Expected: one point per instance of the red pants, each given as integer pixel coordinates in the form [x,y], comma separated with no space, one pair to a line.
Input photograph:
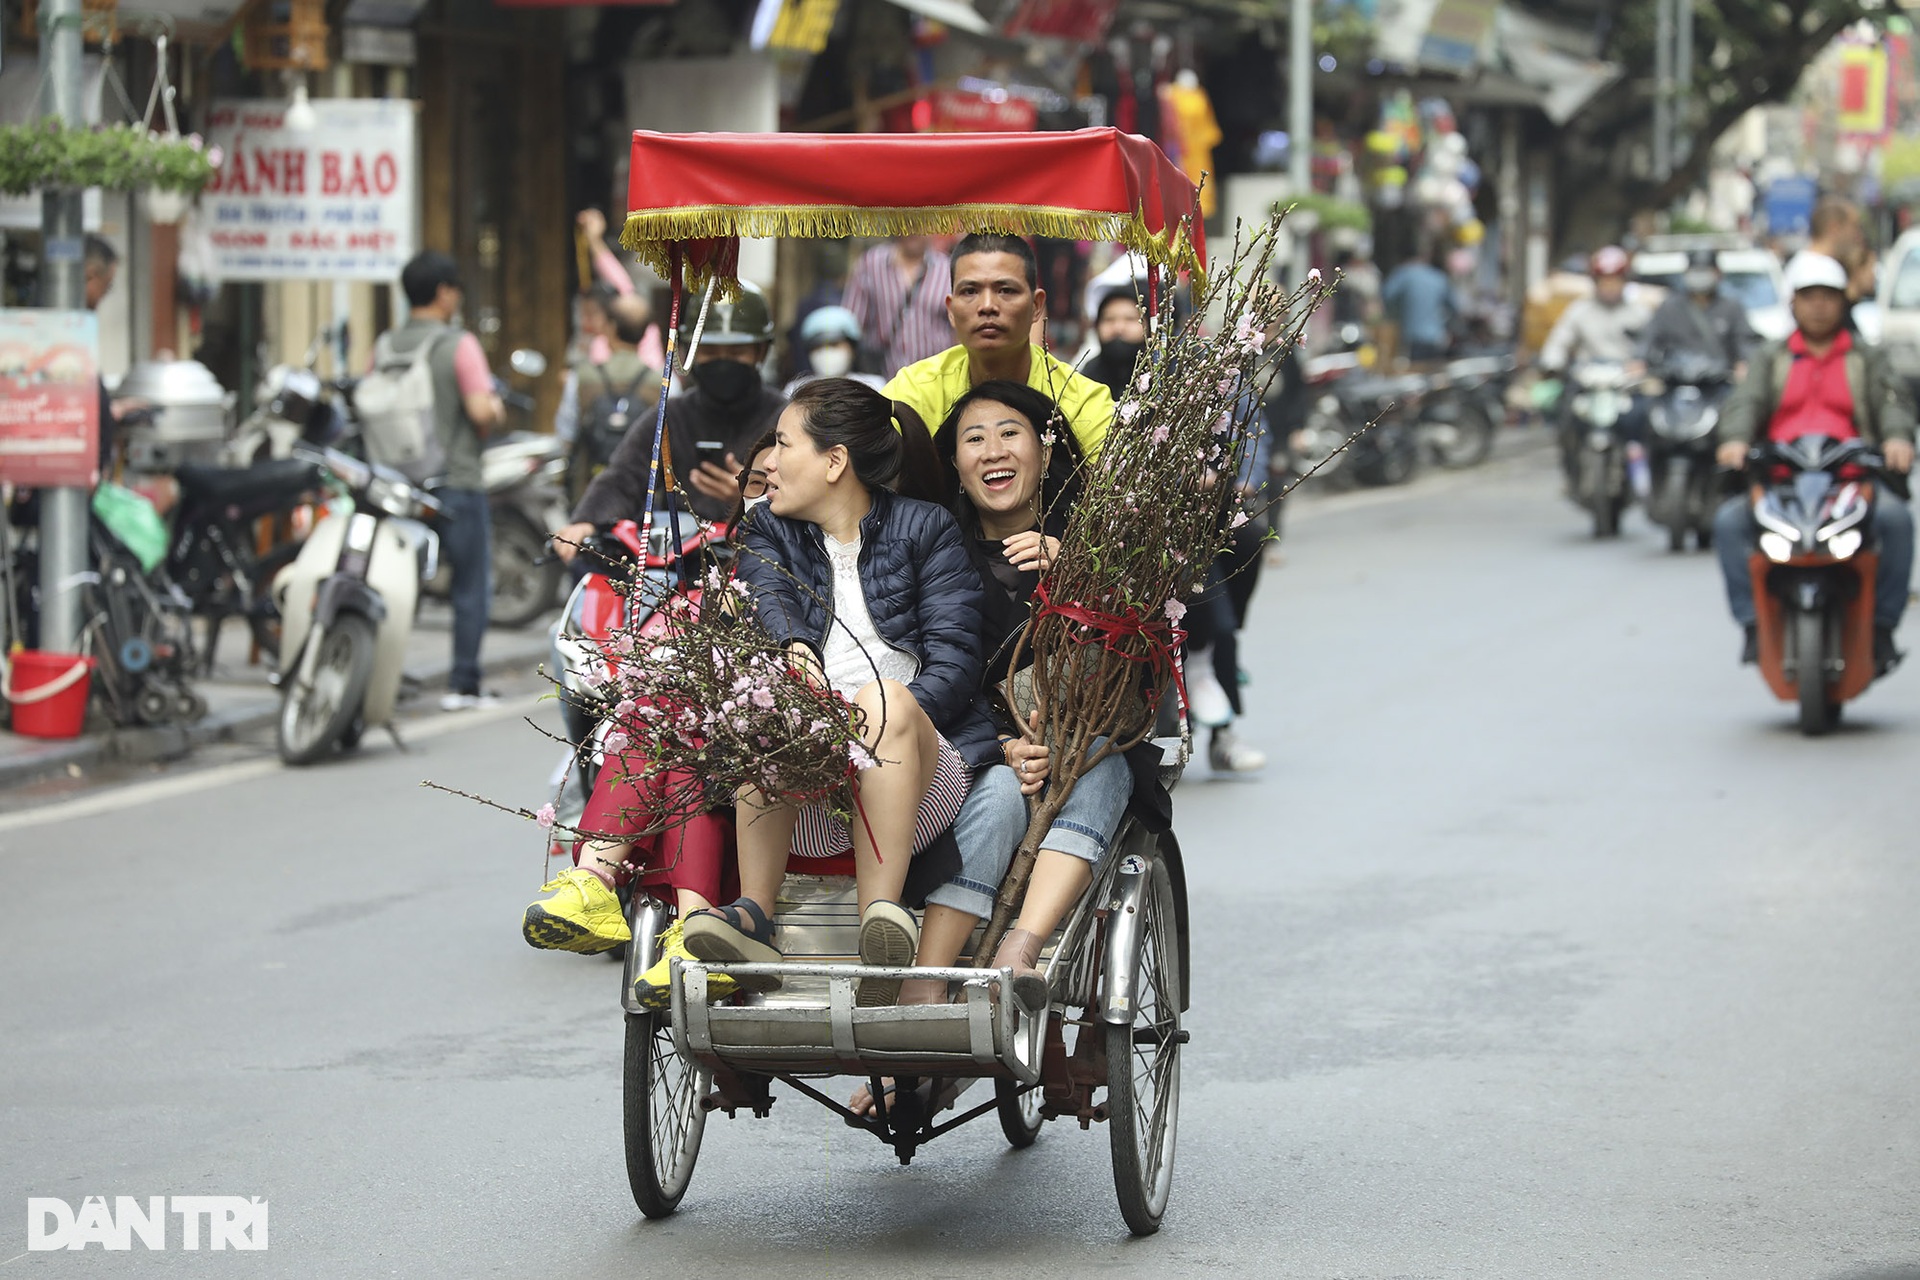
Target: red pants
[695,852]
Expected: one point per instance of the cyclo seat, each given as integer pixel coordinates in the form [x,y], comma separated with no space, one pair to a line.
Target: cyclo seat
[276,481]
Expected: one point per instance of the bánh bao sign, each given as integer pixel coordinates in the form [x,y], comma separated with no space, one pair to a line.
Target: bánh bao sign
[333,202]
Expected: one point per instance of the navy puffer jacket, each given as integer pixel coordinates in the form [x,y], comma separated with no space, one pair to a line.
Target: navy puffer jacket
[922,590]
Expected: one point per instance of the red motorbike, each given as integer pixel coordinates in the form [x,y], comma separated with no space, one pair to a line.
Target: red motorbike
[616,605]
[1813,571]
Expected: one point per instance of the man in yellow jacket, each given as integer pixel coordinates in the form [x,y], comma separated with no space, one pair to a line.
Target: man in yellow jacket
[992,303]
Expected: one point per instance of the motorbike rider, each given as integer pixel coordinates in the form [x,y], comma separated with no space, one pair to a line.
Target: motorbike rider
[830,341]
[1604,326]
[993,301]
[729,407]
[1820,381]
[1698,318]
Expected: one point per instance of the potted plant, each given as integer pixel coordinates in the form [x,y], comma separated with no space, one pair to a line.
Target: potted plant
[170,170]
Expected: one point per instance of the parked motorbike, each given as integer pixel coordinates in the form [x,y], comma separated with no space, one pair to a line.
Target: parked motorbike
[1682,430]
[140,633]
[1461,412]
[213,555]
[347,606]
[1813,571]
[1602,395]
[525,475]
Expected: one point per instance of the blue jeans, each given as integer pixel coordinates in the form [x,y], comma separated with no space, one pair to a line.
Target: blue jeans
[1092,813]
[994,818]
[988,830]
[466,542]
[1734,534]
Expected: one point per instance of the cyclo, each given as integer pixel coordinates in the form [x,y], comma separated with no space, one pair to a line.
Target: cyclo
[1107,1047]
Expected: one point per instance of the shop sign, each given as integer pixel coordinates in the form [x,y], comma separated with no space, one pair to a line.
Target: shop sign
[955,111]
[49,398]
[1083,20]
[335,201]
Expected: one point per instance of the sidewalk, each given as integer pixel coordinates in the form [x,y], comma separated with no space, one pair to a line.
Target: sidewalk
[240,700]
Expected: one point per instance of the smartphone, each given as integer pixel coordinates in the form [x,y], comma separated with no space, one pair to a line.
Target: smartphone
[714,451]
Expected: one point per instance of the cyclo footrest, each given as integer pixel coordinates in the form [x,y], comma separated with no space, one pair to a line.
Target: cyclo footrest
[824,1034]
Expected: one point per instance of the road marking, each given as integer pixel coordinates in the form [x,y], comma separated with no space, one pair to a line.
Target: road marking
[139,793]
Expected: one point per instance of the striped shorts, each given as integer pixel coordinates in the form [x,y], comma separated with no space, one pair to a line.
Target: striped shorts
[818,834]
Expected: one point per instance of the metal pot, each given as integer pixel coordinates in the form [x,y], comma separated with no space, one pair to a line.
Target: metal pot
[190,413]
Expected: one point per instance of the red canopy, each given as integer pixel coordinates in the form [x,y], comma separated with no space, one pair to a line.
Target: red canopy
[704,190]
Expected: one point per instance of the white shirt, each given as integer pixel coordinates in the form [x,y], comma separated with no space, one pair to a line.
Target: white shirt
[855,655]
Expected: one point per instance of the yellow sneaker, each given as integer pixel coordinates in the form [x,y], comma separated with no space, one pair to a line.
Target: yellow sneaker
[654,988]
[580,914]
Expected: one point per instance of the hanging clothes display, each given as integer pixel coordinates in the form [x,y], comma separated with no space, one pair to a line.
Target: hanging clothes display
[1192,123]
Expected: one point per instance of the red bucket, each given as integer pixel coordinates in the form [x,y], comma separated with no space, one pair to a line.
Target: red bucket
[49,693]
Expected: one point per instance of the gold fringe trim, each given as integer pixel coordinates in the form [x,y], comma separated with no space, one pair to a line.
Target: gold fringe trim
[650,234]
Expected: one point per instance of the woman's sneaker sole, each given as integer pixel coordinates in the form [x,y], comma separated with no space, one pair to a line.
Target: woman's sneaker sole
[556,933]
[883,942]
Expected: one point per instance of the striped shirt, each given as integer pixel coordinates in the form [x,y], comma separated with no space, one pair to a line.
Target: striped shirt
[906,329]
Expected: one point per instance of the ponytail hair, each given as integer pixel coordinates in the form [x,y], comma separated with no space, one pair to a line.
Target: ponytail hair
[888,443]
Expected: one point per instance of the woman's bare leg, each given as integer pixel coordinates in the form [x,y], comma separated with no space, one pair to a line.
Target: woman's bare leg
[888,795]
[765,836]
[1058,881]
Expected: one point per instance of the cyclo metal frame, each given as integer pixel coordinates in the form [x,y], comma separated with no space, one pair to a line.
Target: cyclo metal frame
[1117,969]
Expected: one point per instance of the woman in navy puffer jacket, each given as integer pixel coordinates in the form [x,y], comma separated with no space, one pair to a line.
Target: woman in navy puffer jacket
[877,596]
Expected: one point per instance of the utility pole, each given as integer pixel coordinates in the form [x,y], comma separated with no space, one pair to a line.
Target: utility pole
[1683,84]
[63,512]
[1300,103]
[1663,90]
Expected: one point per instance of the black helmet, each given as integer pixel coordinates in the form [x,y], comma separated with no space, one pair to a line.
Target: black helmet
[740,321]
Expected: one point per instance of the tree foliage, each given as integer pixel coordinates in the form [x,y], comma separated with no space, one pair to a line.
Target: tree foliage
[1747,53]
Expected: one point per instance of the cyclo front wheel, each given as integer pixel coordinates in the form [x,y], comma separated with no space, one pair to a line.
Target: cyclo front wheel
[1143,1067]
[663,1116]
[1020,1117]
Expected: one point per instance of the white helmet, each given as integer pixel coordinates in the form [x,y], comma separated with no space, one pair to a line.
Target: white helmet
[1815,271]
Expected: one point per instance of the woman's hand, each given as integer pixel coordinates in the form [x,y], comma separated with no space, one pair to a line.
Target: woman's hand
[1031,551]
[1029,759]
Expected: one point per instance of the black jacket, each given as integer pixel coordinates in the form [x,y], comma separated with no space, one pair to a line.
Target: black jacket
[922,591]
[620,492]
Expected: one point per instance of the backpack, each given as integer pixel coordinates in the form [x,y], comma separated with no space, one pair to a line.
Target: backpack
[396,407]
[604,420]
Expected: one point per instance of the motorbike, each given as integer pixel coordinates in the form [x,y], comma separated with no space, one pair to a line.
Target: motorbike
[1462,409]
[1602,394]
[611,594]
[1682,426]
[1348,398]
[524,475]
[1813,571]
[213,555]
[347,605]
[141,634]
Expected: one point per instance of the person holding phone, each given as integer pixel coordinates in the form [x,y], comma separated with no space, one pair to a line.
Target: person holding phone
[710,430]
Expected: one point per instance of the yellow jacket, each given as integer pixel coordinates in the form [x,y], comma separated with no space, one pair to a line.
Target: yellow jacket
[932,386]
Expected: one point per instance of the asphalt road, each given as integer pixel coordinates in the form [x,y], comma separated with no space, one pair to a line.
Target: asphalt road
[1544,948]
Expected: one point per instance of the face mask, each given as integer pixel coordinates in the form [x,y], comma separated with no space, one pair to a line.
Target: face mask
[746,508]
[1119,356]
[1701,282]
[729,382]
[832,361]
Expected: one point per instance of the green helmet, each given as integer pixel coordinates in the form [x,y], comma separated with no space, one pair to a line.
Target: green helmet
[740,321]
